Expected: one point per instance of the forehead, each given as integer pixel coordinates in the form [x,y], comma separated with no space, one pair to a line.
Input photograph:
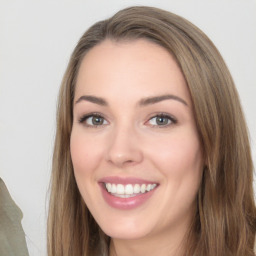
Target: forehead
[128,68]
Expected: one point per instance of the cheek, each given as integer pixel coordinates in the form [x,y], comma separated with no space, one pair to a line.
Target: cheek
[180,162]
[85,153]
[179,158]
[180,149]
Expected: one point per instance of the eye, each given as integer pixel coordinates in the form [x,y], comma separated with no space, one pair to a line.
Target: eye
[162,120]
[93,120]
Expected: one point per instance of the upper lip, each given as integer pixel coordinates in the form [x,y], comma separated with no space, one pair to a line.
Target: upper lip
[125,180]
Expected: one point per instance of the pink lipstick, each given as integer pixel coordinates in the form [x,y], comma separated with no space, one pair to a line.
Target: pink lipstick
[126,193]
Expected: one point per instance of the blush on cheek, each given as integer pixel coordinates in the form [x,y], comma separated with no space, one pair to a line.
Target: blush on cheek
[179,157]
[85,155]
[78,154]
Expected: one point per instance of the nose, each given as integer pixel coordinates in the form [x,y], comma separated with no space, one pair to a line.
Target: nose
[124,148]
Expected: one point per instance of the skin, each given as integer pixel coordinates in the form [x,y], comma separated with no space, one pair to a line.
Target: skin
[130,142]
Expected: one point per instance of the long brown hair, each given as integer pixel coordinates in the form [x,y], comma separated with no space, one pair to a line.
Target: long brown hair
[225,219]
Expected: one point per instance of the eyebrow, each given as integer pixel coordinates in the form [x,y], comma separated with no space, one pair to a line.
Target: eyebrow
[93,99]
[156,99]
[142,102]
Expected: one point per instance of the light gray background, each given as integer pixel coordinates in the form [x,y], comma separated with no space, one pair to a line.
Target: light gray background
[36,40]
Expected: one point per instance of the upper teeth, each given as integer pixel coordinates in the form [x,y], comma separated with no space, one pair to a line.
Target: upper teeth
[128,189]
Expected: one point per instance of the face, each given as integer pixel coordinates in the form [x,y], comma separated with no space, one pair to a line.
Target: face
[134,144]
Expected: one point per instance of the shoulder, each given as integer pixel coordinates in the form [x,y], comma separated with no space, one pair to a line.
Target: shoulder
[12,237]
[7,205]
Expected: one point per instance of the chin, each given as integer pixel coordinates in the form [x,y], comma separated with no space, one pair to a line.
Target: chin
[128,231]
[125,234]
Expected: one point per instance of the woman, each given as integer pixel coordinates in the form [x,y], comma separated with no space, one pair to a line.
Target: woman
[151,153]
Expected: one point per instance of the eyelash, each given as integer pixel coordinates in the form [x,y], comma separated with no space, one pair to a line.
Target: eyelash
[84,118]
[171,120]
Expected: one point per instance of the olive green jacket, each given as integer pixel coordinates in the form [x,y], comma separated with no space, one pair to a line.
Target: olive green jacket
[12,237]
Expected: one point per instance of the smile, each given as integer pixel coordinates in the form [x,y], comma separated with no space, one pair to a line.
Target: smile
[127,193]
[128,190]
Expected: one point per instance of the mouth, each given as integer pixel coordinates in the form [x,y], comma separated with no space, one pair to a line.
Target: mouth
[127,193]
[128,190]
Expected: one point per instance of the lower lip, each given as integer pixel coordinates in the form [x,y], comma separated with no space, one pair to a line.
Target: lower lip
[125,203]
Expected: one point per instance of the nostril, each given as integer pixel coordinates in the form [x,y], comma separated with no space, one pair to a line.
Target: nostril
[123,151]
[124,160]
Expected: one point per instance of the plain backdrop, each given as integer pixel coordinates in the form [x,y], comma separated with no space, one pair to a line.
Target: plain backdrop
[36,40]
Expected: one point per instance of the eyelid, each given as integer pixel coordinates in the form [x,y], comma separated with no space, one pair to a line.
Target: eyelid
[164,115]
[84,117]
[173,120]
